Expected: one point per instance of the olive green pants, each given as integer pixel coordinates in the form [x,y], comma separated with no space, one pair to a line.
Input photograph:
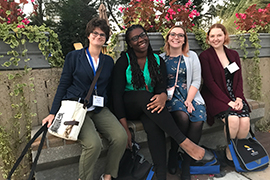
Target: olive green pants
[110,128]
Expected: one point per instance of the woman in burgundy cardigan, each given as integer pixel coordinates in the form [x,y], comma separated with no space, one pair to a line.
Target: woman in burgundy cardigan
[223,85]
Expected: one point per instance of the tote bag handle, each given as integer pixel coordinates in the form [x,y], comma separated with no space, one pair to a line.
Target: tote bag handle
[43,129]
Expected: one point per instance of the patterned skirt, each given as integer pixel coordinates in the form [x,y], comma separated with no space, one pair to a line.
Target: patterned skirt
[242,113]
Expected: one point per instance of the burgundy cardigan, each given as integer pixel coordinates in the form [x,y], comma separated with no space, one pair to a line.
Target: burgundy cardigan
[214,89]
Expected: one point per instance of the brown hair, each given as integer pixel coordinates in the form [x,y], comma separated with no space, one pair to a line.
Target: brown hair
[185,47]
[220,26]
[100,23]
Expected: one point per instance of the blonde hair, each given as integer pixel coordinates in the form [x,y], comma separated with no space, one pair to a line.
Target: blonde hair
[220,26]
[185,47]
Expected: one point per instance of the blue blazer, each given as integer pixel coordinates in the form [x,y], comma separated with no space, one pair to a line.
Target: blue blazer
[77,76]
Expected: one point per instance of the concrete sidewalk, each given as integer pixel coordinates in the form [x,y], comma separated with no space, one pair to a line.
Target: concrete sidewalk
[231,174]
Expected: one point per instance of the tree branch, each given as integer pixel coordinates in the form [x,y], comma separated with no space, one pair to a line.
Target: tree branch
[114,18]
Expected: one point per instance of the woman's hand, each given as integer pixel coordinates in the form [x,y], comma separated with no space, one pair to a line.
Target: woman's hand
[129,143]
[48,119]
[157,103]
[232,104]
[123,121]
[239,104]
[189,106]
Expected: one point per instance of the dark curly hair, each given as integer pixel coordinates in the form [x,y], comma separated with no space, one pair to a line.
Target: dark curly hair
[100,23]
[153,67]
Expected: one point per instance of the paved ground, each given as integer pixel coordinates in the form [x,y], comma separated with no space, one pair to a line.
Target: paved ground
[231,174]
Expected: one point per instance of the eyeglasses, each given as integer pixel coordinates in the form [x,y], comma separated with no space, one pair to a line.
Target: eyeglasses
[179,35]
[136,38]
[102,35]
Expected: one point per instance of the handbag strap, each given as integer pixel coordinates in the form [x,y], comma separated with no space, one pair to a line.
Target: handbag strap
[176,78]
[227,126]
[43,129]
[87,98]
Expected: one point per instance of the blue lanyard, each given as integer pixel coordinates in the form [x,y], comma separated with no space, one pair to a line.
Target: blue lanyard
[93,67]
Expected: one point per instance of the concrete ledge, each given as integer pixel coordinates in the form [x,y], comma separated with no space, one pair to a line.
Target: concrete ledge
[59,158]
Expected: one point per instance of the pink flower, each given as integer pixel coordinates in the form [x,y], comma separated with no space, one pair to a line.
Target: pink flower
[188,3]
[237,27]
[123,27]
[120,9]
[243,16]
[32,0]
[170,10]
[139,0]
[151,26]
[167,18]
[25,21]
[178,10]
[20,26]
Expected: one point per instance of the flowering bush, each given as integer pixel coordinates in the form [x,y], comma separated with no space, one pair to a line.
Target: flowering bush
[12,13]
[154,15]
[15,31]
[253,18]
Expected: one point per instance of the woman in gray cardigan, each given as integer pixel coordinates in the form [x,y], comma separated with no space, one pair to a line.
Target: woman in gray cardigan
[186,104]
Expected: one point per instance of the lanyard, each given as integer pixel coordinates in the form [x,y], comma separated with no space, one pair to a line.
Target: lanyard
[93,67]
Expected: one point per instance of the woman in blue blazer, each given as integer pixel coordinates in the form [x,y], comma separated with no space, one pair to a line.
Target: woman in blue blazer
[77,76]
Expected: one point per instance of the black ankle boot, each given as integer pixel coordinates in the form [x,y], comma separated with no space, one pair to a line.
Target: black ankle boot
[172,162]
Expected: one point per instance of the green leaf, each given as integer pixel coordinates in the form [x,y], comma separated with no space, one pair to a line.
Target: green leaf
[23,41]
[10,76]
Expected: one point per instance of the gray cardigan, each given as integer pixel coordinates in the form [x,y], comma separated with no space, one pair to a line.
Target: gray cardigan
[193,67]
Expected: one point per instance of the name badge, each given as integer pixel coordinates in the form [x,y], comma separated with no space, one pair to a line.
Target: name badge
[98,101]
[232,67]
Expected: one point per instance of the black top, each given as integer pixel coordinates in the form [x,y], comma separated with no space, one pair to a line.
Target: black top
[119,84]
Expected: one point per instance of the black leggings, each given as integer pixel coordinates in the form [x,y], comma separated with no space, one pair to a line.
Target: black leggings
[155,125]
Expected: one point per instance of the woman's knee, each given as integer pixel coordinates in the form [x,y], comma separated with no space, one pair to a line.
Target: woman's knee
[92,144]
[119,138]
[234,122]
[244,123]
[180,117]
